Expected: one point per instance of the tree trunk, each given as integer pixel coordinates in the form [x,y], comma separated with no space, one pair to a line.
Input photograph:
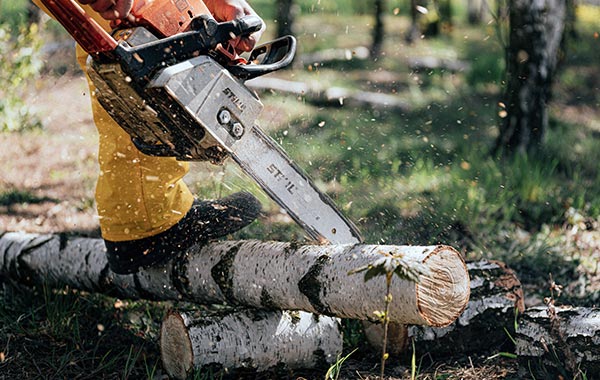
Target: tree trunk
[536,29]
[249,340]
[474,11]
[286,17]
[496,296]
[414,33]
[270,275]
[559,342]
[378,30]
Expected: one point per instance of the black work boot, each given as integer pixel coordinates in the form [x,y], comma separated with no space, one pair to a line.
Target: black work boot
[206,220]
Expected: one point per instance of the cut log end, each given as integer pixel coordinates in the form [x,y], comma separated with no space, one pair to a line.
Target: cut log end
[175,343]
[248,340]
[443,294]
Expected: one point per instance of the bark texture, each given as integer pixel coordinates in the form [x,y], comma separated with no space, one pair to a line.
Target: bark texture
[554,342]
[270,275]
[249,340]
[536,30]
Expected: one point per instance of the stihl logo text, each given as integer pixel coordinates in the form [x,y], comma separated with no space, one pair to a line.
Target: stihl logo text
[277,174]
[234,99]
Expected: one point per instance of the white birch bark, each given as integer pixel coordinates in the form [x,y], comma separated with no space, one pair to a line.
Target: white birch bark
[248,340]
[561,341]
[257,274]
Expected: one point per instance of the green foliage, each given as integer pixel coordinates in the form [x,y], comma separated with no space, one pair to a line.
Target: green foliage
[19,62]
[71,334]
[333,373]
[13,13]
[391,263]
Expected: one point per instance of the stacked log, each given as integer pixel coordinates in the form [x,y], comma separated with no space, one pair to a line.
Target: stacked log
[555,342]
[248,340]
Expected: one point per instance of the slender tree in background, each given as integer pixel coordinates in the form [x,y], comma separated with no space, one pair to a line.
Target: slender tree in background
[476,11]
[414,33]
[378,30]
[286,16]
[536,32]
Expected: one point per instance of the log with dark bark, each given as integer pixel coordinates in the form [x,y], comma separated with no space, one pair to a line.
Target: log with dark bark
[496,300]
[248,340]
[257,274]
[559,341]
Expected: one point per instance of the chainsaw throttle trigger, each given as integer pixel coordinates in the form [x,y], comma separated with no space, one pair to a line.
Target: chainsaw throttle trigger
[266,58]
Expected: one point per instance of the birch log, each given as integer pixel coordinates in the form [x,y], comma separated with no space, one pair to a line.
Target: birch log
[496,300]
[248,340]
[554,342]
[271,275]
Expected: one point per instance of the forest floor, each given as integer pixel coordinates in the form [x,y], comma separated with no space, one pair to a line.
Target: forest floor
[48,176]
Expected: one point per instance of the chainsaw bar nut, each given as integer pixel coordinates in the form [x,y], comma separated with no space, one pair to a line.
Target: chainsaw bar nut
[224,117]
[237,130]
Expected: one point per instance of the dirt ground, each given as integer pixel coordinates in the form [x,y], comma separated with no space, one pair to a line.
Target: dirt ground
[53,171]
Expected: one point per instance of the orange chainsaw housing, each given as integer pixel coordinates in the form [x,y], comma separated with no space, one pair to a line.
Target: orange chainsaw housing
[167,17]
[163,17]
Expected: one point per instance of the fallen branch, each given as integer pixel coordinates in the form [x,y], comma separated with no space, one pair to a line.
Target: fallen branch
[270,275]
[321,57]
[331,96]
[434,63]
[249,340]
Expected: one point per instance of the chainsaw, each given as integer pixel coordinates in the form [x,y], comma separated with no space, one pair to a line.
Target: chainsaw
[175,85]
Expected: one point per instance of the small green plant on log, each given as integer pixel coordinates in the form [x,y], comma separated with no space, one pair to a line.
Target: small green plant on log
[388,265]
[19,62]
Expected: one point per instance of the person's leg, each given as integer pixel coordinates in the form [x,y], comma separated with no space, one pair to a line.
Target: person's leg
[137,196]
[147,213]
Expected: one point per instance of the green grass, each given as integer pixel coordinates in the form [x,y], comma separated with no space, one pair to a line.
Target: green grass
[69,334]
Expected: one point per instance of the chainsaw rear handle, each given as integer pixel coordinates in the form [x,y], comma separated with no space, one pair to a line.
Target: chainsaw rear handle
[267,58]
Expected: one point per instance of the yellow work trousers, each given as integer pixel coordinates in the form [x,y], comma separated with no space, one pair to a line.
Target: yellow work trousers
[137,196]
